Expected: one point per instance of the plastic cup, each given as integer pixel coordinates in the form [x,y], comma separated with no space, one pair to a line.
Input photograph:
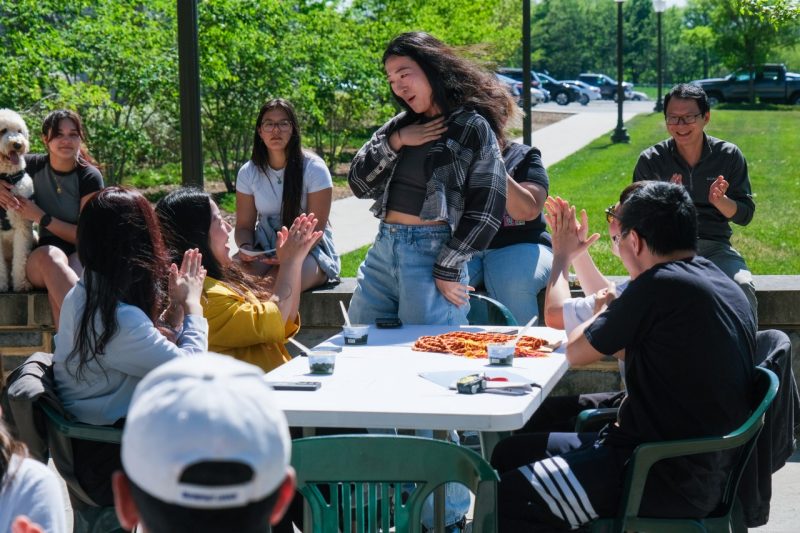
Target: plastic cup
[356,334]
[321,361]
[501,354]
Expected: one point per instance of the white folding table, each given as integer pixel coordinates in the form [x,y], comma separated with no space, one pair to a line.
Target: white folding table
[378,385]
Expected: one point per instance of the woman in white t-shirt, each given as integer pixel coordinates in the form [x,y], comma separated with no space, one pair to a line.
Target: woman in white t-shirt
[27,487]
[280,182]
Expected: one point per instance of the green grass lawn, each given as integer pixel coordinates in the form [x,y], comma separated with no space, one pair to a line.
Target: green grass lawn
[769,137]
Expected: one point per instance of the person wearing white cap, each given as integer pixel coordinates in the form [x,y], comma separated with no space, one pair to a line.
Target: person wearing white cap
[205,449]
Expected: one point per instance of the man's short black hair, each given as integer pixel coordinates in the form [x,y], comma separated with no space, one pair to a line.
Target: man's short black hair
[161,517]
[662,214]
[688,91]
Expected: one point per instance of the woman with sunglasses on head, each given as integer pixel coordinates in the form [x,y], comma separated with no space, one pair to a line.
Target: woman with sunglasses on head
[63,179]
[571,242]
[437,176]
[280,182]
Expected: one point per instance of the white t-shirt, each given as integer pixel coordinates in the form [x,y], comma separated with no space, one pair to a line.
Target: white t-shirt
[267,189]
[576,311]
[31,489]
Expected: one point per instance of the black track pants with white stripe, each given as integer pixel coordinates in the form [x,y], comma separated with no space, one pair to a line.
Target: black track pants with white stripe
[566,481]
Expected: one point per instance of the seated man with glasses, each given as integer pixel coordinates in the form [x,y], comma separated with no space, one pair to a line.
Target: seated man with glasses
[714,173]
[688,338]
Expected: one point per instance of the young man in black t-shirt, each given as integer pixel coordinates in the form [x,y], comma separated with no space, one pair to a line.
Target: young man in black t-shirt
[688,337]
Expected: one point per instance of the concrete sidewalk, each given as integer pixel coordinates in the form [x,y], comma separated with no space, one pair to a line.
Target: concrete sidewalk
[354,225]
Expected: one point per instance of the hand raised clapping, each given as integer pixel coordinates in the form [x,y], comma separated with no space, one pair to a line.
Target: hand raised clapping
[717,190]
[186,282]
[570,237]
[294,243]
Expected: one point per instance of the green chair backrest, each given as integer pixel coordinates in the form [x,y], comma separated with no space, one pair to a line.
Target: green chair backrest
[646,455]
[489,312]
[366,475]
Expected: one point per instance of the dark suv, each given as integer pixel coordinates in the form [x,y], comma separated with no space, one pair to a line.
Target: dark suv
[607,85]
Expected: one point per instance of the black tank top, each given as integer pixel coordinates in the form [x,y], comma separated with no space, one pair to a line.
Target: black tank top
[409,182]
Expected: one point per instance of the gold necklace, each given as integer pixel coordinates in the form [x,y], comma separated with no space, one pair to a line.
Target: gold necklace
[56,182]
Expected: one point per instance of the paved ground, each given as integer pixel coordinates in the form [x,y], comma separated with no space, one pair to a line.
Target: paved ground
[354,225]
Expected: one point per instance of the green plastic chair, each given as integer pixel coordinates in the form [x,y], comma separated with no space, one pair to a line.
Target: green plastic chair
[487,311]
[364,478]
[646,455]
[79,430]
[87,516]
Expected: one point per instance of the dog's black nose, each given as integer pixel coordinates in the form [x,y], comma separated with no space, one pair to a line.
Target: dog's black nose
[17,146]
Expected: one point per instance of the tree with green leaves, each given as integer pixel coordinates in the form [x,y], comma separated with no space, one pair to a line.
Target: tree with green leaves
[746,30]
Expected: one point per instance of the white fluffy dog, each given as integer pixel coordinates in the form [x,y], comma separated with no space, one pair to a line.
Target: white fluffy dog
[16,233]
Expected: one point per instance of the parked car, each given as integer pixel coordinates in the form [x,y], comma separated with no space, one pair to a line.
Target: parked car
[536,83]
[510,84]
[588,92]
[563,93]
[607,85]
[515,89]
[772,83]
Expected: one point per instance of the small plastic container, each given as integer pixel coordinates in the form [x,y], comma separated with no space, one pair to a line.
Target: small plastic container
[355,334]
[321,361]
[501,354]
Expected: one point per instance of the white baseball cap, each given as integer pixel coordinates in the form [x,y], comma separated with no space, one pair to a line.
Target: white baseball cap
[205,409]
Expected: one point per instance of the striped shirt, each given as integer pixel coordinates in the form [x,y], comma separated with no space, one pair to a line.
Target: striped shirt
[466,184]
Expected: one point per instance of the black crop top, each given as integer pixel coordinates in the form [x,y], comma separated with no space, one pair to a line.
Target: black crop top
[409,182]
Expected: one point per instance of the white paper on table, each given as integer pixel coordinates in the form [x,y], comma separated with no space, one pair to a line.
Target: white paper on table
[448,378]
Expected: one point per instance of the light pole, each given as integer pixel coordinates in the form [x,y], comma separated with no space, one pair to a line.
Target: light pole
[620,133]
[659,6]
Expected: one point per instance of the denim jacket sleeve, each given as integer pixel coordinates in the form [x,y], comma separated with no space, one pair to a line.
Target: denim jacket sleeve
[373,164]
[484,200]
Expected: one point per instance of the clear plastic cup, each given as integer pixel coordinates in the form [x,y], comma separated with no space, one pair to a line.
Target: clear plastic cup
[355,334]
[501,354]
[321,361]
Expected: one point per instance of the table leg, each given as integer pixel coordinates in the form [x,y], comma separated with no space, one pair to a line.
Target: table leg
[489,440]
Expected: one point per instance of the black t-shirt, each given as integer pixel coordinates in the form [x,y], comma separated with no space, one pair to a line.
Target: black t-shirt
[524,164]
[59,193]
[689,339]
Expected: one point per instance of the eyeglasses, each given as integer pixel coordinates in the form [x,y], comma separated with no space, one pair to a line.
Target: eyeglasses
[282,125]
[673,120]
[611,213]
[616,239]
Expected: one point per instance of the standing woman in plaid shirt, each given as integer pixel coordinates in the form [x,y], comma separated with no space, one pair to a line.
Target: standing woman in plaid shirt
[438,180]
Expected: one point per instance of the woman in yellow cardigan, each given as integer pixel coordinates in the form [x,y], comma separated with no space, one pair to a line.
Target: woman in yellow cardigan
[248,319]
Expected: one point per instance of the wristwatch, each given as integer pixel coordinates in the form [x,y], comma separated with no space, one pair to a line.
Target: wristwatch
[45,220]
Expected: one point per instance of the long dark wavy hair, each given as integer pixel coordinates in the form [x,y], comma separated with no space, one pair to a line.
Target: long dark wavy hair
[50,129]
[9,446]
[185,217]
[293,175]
[125,261]
[455,81]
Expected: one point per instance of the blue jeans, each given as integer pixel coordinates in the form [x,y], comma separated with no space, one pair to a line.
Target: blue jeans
[727,259]
[513,275]
[396,278]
